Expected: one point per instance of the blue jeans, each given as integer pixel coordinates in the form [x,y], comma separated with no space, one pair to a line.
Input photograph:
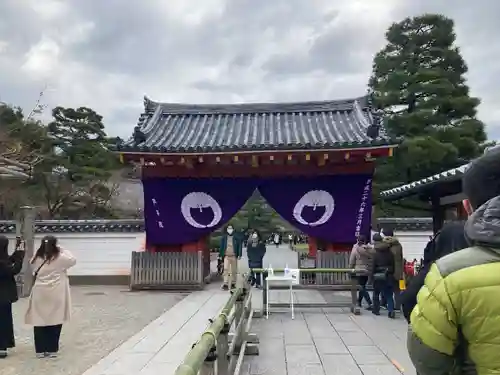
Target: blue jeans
[386,289]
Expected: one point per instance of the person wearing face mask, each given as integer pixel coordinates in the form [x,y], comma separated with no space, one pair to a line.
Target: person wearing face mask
[230,252]
[256,249]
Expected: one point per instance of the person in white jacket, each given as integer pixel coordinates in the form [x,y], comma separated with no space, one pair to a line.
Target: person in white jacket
[50,300]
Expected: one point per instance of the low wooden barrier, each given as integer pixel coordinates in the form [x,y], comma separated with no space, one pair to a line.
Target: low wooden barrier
[169,270]
[333,260]
[218,352]
[324,259]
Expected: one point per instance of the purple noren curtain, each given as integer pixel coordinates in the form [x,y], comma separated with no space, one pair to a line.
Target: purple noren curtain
[184,210]
[331,208]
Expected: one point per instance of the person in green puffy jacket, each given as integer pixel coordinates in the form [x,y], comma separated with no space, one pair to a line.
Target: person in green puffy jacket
[455,325]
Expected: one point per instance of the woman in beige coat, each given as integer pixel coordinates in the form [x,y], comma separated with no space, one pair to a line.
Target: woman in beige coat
[361,261]
[50,300]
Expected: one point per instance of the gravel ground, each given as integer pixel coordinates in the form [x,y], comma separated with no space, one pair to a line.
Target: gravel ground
[103,318]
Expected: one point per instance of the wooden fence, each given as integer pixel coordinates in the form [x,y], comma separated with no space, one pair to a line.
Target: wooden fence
[325,259]
[169,270]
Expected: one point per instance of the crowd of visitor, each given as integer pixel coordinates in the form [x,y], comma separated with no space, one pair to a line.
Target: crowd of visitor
[380,264]
[451,305]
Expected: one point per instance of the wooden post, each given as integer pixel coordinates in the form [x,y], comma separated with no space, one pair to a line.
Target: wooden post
[25,228]
[354,294]
[438,213]
[222,347]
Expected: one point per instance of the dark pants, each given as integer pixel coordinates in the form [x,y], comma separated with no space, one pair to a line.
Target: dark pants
[256,277]
[47,339]
[397,295]
[363,293]
[384,288]
[6,327]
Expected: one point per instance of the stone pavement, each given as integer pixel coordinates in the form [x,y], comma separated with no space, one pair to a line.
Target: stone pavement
[161,346]
[319,341]
[102,318]
[330,342]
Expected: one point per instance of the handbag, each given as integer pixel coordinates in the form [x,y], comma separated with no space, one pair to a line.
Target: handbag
[380,275]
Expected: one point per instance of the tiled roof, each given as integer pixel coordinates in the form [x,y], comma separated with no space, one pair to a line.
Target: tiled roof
[182,128]
[406,224]
[137,225]
[79,226]
[450,175]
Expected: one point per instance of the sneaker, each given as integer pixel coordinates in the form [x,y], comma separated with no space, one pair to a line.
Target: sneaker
[375,312]
[369,308]
[391,315]
[41,355]
[51,355]
[224,287]
[3,354]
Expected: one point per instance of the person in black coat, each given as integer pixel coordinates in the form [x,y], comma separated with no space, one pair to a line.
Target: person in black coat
[10,266]
[383,277]
[449,239]
[256,249]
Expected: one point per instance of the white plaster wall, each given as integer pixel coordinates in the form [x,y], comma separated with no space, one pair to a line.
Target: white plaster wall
[100,253]
[413,243]
[110,253]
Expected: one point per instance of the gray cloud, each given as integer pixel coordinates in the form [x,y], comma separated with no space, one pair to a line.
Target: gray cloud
[108,54]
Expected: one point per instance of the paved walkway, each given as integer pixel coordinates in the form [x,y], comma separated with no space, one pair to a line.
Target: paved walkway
[161,346]
[330,342]
[319,341]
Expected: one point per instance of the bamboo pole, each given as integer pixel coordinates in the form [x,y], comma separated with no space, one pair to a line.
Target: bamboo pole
[196,356]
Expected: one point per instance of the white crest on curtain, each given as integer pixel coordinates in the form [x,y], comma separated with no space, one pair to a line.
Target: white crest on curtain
[314,199]
[200,200]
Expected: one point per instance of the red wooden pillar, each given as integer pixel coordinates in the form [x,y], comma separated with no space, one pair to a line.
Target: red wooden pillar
[338,247]
[335,247]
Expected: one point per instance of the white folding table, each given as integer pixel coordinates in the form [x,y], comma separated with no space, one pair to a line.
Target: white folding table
[290,279]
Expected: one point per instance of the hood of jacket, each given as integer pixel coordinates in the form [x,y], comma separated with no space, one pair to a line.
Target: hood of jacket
[363,249]
[483,226]
[391,241]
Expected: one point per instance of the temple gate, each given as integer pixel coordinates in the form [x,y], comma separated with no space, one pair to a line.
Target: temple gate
[313,162]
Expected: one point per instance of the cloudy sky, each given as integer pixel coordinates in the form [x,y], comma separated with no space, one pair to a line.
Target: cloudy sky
[108,54]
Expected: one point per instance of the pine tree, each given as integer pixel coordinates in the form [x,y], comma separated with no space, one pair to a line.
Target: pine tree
[419,82]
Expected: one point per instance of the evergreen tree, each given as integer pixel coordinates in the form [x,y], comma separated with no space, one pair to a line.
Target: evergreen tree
[73,177]
[419,82]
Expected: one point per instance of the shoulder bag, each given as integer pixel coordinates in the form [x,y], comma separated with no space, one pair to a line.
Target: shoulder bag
[35,275]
